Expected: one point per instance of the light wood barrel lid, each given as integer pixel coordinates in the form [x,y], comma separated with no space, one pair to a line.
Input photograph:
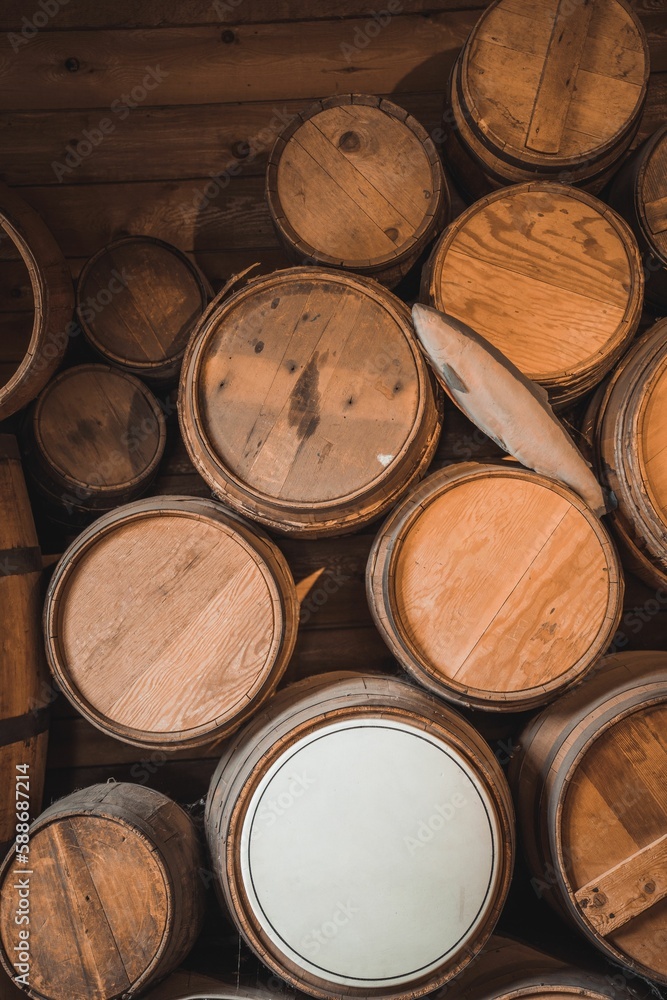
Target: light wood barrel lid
[169,621]
[99,428]
[548,274]
[362,836]
[355,182]
[554,82]
[495,587]
[138,300]
[305,402]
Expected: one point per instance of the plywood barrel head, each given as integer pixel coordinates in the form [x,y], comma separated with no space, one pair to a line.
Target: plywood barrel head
[495,587]
[138,300]
[362,838]
[549,275]
[169,620]
[305,402]
[95,438]
[355,182]
[552,91]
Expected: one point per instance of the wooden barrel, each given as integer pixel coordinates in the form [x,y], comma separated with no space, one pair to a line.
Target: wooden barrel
[32,351]
[183,985]
[589,783]
[547,273]
[361,834]
[549,91]
[639,194]
[24,692]
[92,441]
[169,621]
[630,451]
[112,893]
[355,182]
[305,402]
[495,587]
[510,970]
[138,300]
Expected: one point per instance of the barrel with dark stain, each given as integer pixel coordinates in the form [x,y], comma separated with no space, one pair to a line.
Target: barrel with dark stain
[116,900]
[24,692]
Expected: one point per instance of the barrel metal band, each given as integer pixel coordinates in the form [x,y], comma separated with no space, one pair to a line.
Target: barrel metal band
[18,562]
[23,727]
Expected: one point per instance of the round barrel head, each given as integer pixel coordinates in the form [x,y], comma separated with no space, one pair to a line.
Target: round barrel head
[553,82]
[652,442]
[98,903]
[138,300]
[495,587]
[549,275]
[652,195]
[305,401]
[169,620]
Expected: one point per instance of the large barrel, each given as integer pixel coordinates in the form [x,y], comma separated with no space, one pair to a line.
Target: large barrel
[495,587]
[169,620]
[589,784]
[630,451]
[548,91]
[32,356]
[361,836]
[305,402]
[112,894]
[510,970]
[639,194]
[24,692]
[182,985]
[92,441]
[138,300]
[549,275]
[355,182]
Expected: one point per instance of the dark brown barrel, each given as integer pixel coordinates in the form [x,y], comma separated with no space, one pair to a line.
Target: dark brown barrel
[169,621]
[549,91]
[589,785]
[639,193]
[510,970]
[138,300]
[92,441]
[355,182]
[114,894]
[182,985]
[629,438]
[31,354]
[24,691]
[361,834]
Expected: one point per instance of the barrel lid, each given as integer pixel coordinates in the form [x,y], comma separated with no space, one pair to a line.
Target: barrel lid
[652,201]
[369,852]
[653,435]
[138,299]
[548,274]
[354,180]
[99,428]
[551,82]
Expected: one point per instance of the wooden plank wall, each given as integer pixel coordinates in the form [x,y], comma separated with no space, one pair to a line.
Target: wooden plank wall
[123,117]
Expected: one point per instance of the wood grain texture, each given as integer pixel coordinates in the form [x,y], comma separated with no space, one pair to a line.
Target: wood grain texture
[305,403]
[115,898]
[549,275]
[169,620]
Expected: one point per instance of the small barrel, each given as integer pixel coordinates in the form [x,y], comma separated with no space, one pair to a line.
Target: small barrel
[33,349]
[169,621]
[546,91]
[639,193]
[510,970]
[112,893]
[549,275]
[138,300]
[495,587]
[630,451]
[589,784]
[361,834]
[92,441]
[24,692]
[355,182]
[305,402]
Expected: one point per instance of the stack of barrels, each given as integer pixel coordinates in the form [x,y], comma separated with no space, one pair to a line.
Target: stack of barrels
[360,829]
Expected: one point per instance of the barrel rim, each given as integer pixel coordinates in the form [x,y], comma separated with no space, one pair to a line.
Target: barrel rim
[659,136]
